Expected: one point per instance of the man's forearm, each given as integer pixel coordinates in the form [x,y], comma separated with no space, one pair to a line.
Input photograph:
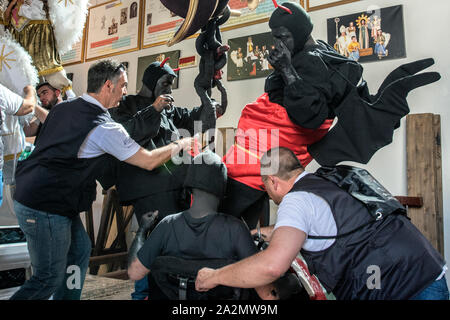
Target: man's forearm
[164,154]
[40,113]
[150,160]
[252,272]
[31,129]
[29,101]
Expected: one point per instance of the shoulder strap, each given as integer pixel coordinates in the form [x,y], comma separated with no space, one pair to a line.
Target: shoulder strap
[342,234]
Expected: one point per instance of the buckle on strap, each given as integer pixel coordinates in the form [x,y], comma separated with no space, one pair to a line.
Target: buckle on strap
[182,288]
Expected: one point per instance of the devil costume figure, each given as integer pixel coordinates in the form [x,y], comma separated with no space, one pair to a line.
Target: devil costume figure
[311,85]
[161,188]
[212,57]
[184,242]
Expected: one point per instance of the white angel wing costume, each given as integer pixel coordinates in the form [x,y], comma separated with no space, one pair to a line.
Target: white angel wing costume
[16,71]
[68,18]
[16,66]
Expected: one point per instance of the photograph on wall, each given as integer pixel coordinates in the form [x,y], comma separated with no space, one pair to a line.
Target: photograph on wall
[113,28]
[159,25]
[369,36]
[74,55]
[144,62]
[251,12]
[247,57]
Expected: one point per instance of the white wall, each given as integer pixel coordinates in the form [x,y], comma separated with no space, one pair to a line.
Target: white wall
[425,26]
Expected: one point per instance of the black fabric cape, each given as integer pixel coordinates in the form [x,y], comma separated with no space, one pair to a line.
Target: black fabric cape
[151,130]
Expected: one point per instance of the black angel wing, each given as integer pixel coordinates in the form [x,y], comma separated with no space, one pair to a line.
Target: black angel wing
[363,127]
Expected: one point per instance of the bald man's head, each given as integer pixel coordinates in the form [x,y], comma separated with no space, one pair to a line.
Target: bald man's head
[280,162]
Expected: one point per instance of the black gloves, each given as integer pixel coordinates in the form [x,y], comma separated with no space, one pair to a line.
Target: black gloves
[148,221]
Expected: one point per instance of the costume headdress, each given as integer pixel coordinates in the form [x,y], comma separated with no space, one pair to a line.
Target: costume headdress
[155,71]
[293,17]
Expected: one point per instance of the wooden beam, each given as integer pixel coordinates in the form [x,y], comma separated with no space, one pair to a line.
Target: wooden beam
[118,274]
[90,225]
[108,258]
[425,176]
[224,140]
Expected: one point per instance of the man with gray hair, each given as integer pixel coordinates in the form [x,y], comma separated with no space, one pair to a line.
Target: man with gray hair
[353,255]
[77,143]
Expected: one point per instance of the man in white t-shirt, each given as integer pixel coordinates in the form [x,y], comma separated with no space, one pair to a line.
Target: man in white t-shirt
[353,255]
[14,105]
[77,143]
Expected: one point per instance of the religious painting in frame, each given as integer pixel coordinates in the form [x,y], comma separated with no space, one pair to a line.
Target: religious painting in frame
[144,62]
[248,17]
[247,57]
[76,54]
[312,5]
[113,28]
[367,36]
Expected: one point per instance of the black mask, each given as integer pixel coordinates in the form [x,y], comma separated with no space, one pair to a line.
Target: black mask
[298,23]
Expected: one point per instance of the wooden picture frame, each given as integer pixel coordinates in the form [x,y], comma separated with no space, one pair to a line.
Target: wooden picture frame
[113,28]
[247,57]
[76,54]
[313,5]
[158,24]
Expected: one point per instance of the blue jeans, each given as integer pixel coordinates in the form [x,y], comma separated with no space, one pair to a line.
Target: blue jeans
[59,249]
[438,290]
[140,289]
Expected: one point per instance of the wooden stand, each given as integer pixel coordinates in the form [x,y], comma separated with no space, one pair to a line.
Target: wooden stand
[110,247]
[224,140]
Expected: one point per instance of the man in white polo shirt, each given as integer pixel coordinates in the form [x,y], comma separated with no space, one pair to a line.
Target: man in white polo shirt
[77,144]
[14,105]
[339,239]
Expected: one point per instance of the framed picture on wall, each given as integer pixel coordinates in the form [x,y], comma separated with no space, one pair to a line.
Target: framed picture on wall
[369,36]
[312,5]
[113,28]
[247,57]
[76,54]
[144,62]
[159,24]
[252,12]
